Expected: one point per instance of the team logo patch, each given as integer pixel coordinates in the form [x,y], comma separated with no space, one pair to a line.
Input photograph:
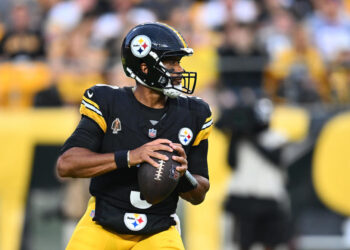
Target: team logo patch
[185,136]
[116,126]
[141,46]
[152,133]
[135,222]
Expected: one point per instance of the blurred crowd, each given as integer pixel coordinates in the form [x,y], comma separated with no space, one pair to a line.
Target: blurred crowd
[289,51]
[295,51]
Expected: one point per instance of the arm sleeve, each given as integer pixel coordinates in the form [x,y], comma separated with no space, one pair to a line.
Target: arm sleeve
[197,159]
[92,126]
[87,135]
[197,164]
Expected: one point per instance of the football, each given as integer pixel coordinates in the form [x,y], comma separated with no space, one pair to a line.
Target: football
[156,184]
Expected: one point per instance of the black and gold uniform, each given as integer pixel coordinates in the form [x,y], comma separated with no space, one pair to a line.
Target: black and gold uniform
[113,120]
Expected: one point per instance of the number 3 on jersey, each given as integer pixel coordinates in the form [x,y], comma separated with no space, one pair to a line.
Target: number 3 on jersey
[136,201]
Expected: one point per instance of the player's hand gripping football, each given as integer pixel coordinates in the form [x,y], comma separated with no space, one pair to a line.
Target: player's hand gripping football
[148,150]
[180,158]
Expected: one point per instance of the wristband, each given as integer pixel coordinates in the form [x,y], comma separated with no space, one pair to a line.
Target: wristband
[121,159]
[128,159]
[184,185]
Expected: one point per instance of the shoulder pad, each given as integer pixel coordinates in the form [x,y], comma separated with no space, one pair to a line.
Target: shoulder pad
[199,106]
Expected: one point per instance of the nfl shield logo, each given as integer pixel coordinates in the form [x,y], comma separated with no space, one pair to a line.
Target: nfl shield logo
[152,133]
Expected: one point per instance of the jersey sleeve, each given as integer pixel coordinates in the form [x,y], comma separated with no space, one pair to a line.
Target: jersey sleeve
[86,135]
[94,106]
[197,157]
[205,118]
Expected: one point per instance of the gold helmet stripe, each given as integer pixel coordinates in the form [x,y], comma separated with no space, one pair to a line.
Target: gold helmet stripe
[177,33]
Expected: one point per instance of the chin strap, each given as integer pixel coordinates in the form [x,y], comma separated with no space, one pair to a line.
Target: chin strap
[172,91]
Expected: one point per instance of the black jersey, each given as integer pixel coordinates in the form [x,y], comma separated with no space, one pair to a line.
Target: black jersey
[187,120]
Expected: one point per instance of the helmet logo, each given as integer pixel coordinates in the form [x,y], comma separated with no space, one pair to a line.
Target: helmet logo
[141,46]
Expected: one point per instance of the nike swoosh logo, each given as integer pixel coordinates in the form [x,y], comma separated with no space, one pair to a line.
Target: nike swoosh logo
[90,94]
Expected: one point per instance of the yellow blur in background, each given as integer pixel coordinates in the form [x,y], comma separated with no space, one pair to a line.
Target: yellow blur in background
[20,131]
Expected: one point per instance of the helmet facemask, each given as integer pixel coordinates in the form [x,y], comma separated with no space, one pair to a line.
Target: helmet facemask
[164,79]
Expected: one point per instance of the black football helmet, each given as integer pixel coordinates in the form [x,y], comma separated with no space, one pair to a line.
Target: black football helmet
[151,43]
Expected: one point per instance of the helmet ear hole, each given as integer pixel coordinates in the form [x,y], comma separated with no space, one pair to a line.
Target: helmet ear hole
[144,68]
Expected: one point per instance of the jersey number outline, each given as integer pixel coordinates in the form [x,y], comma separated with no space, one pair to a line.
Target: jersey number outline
[136,201]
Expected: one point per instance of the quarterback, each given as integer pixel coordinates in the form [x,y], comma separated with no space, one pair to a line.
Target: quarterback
[121,128]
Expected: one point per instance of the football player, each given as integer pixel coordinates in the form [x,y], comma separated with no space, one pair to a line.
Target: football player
[123,127]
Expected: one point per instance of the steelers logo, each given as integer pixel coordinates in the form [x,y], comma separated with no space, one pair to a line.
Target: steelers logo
[141,46]
[135,222]
[185,136]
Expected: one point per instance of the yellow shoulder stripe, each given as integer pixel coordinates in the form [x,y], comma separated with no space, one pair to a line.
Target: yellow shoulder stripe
[94,116]
[202,135]
[209,118]
[91,102]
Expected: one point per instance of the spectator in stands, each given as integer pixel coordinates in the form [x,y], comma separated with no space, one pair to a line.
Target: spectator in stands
[158,7]
[339,78]
[45,6]
[216,14]
[203,41]
[22,50]
[298,74]
[62,19]
[109,28]
[329,27]
[79,65]
[64,16]
[241,64]
[299,8]
[21,41]
[275,33]
[114,23]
